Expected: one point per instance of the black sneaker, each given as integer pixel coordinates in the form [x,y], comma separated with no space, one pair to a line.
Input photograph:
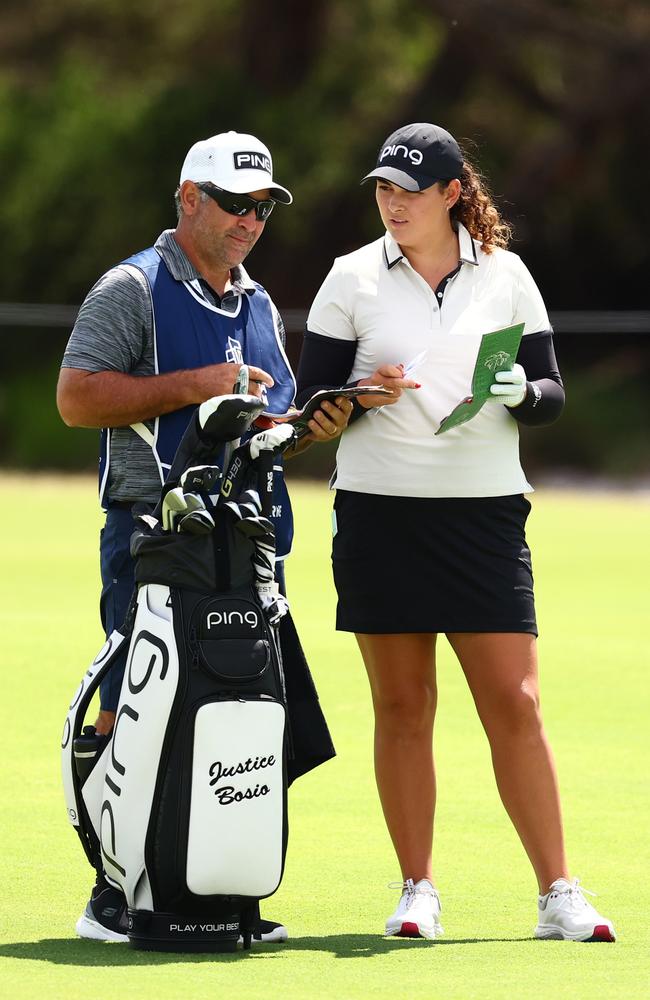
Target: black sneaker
[268,931]
[105,916]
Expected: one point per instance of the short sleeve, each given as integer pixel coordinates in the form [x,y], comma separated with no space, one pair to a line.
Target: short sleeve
[529,304]
[111,329]
[331,314]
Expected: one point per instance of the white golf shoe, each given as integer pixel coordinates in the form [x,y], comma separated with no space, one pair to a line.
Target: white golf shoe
[565,914]
[418,912]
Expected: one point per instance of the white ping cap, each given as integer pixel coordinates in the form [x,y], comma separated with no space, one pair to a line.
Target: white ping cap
[235,162]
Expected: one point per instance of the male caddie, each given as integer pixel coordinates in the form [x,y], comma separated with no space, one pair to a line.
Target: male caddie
[158,334]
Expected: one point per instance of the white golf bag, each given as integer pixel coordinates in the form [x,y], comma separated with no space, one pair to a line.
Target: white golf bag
[183,805]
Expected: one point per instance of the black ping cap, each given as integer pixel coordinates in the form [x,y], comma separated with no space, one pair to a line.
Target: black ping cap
[416,156]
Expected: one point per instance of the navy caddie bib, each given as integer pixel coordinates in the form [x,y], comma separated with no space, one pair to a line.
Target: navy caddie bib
[190,332]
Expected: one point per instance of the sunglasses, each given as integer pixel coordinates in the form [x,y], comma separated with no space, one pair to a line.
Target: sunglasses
[238,204]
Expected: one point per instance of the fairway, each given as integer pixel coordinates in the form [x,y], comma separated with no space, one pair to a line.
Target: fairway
[590,554]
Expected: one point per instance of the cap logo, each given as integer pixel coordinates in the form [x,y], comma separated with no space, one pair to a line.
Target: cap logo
[414,155]
[252,161]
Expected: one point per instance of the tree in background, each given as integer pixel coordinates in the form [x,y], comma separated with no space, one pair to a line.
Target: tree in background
[100,101]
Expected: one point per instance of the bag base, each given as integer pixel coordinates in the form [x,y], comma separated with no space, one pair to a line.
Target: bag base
[149,931]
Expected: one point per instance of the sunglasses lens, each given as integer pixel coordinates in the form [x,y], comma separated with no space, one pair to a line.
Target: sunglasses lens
[239,204]
[264,209]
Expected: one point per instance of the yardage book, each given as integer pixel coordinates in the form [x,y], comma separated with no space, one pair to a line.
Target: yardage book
[497,353]
[301,418]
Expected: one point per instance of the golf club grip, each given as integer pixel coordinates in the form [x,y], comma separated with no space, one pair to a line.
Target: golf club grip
[241,383]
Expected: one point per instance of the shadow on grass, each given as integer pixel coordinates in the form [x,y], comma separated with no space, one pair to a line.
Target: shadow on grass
[73,951]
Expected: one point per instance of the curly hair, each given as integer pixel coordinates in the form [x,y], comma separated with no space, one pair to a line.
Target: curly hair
[477,212]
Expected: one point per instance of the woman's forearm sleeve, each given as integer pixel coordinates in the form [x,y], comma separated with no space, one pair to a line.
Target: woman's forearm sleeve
[544,400]
[325,363]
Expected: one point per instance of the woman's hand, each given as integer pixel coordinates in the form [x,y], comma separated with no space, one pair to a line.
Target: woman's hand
[391,377]
[509,387]
[330,420]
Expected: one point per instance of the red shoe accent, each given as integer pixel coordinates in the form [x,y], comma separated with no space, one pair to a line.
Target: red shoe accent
[602,933]
[409,929]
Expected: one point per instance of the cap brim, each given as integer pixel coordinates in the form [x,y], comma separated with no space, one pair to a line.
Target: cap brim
[249,183]
[410,182]
[281,194]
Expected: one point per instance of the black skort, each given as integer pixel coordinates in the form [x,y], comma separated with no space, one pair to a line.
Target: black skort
[420,564]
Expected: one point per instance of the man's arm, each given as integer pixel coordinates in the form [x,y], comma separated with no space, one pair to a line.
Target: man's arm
[107,377]
[115,399]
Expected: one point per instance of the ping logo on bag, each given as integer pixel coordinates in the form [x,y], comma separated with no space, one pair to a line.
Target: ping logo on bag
[215,619]
[230,618]
[229,639]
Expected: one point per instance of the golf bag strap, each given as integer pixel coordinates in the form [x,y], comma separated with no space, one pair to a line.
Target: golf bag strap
[75,805]
[143,431]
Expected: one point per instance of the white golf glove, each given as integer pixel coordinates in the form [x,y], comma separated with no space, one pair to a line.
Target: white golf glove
[509,388]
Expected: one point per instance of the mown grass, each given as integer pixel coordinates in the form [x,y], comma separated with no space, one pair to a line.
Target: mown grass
[591,553]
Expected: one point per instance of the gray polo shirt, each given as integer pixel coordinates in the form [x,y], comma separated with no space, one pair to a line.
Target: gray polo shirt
[114,332]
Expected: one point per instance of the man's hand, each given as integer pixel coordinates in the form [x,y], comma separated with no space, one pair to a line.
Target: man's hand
[115,399]
[104,722]
[218,380]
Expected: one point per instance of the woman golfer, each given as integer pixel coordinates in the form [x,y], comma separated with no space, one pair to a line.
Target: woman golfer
[429,528]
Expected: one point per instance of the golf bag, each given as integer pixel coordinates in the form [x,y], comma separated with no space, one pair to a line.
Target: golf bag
[183,805]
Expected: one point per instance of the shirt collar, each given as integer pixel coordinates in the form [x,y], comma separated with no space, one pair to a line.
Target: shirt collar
[182,269]
[393,255]
[468,254]
[241,280]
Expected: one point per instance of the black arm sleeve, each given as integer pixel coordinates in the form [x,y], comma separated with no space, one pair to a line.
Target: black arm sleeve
[326,363]
[544,387]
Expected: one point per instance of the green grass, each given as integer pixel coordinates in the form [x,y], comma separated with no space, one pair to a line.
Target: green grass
[591,557]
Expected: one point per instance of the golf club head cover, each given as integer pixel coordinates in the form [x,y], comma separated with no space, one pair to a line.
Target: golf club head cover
[201,479]
[197,522]
[216,421]
[224,418]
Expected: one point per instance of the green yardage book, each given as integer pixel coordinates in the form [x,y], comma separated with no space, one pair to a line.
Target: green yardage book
[496,353]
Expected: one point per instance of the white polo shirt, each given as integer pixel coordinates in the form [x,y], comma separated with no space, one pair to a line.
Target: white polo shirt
[374,297]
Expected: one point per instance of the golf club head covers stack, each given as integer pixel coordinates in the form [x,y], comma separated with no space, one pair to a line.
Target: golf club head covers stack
[184,804]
